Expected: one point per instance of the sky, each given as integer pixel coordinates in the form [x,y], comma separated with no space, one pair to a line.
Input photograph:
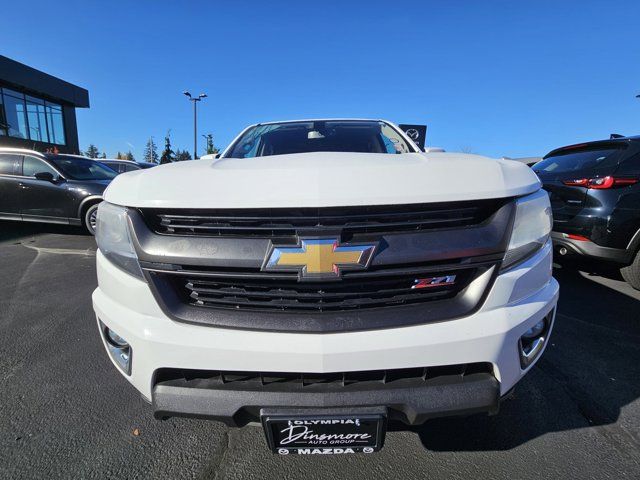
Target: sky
[498,78]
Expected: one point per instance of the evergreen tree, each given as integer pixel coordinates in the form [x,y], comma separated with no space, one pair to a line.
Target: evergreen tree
[129,156]
[182,155]
[104,155]
[167,155]
[121,156]
[210,148]
[151,151]
[92,151]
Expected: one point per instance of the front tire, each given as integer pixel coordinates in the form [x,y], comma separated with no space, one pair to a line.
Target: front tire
[631,274]
[90,218]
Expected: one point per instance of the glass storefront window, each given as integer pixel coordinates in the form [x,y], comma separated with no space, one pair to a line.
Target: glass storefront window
[3,123]
[37,120]
[15,115]
[13,93]
[31,118]
[55,123]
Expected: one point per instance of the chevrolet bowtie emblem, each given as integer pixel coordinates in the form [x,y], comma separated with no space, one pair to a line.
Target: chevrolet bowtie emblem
[318,258]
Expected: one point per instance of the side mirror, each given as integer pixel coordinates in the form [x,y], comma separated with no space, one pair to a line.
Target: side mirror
[46,176]
[210,156]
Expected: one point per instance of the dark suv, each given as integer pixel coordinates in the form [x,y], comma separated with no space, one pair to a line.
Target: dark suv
[36,187]
[595,196]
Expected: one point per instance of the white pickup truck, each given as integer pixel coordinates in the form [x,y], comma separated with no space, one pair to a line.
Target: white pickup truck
[325,278]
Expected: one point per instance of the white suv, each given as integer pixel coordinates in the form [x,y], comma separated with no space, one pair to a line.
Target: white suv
[325,277]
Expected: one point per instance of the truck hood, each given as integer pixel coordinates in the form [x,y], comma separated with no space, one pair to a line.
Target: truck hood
[322,179]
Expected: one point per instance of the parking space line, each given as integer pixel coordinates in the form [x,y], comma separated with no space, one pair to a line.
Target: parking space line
[63,251]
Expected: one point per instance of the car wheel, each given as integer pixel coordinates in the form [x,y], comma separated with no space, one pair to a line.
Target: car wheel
[91,218]
[631,274]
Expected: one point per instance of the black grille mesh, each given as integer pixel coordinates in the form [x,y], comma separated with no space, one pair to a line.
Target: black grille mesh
[281,222]
[288,294]
[253,380]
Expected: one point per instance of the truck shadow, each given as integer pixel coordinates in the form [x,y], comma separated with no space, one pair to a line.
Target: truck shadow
[11,231]
[586,376]
[604,269]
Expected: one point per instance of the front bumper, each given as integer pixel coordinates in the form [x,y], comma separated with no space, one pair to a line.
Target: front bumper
[590,249]
[409,402]
[519,299]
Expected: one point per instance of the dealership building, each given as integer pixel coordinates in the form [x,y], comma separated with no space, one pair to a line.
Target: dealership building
[37,110]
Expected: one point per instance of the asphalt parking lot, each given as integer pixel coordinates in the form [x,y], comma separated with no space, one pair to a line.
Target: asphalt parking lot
[67,413]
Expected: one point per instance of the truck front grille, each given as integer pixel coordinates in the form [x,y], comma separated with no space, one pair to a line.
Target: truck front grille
[282,222]
[293,380]
[287,294]
[207,266]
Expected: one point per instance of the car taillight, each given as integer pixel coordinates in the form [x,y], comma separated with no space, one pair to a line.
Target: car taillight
[573,236]
[601,183]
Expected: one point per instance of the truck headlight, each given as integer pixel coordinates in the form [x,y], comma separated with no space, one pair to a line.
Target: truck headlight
[531,228]
[114,239]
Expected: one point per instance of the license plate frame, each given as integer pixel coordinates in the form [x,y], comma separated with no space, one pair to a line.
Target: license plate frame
[306,432]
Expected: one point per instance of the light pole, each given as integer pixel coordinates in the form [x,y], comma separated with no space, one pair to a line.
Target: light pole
[206,139]
[195,101]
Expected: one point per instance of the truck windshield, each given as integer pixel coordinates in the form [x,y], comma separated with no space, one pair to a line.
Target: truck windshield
[319,136]
[83,169]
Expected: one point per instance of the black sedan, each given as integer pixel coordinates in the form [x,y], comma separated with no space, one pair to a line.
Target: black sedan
[122,166]
[36,187]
